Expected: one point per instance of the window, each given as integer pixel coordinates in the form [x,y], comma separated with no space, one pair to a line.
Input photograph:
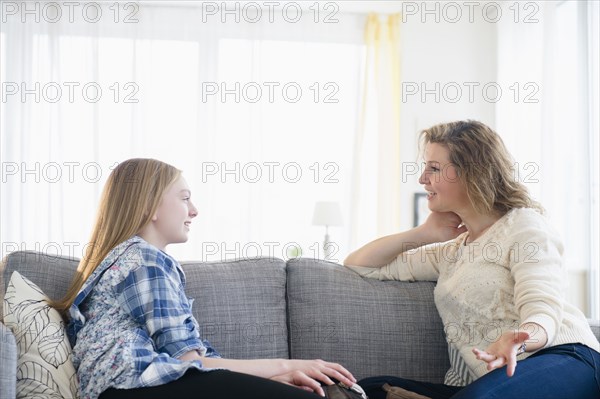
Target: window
[310,90]
[255,185]
[573,200]
[554,137]
[593,64]
[2,77]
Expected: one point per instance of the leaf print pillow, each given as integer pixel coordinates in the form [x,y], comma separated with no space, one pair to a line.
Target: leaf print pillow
[44,366]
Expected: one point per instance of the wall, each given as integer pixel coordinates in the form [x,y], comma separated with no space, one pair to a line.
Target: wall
[455,55]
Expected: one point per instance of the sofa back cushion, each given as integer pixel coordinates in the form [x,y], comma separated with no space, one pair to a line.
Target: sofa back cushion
[240,305]
[371,327]
[51,273]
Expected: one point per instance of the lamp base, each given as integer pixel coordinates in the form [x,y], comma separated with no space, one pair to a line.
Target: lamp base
[327,247]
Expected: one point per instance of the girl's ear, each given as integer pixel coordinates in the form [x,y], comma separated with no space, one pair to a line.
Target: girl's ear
[154,217]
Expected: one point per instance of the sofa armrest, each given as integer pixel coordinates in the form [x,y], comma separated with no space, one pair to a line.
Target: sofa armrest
[595,326]
[8,363]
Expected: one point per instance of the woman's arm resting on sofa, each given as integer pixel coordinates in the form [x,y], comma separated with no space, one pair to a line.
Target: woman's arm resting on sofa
[439,227]
[382,251]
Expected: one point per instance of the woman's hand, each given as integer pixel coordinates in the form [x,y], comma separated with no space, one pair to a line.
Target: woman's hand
[443,226]
[503,351]
[309,374]
[439,227]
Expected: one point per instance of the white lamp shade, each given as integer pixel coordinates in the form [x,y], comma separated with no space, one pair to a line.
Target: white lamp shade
[327,214]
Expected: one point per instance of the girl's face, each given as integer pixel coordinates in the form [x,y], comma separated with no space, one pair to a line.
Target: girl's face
[174,214]
[446,192]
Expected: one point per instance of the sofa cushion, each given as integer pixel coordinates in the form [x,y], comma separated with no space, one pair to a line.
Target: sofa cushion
[51,273]
[44,365]
[371,327]
[240,306]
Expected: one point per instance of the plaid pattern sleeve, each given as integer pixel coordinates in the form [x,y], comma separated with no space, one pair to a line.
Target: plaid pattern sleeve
[131,321]
[153,294]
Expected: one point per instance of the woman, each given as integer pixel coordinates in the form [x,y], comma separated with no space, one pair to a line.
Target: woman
[131,325]
[500,278]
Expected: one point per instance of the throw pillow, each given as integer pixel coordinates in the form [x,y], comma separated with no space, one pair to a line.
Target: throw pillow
[44,366]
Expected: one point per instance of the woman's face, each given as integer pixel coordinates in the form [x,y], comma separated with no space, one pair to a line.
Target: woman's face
[446,192]
[175,213]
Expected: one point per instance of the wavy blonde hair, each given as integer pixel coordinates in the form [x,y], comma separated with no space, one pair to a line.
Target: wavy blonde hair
[130,197]
[483,164]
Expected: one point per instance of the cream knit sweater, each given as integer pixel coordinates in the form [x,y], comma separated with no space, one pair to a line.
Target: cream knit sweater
[513,274]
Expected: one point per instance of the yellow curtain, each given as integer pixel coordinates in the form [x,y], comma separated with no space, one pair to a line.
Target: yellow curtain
[376,182]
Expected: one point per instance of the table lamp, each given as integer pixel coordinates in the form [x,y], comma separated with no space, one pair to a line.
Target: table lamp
[327,214]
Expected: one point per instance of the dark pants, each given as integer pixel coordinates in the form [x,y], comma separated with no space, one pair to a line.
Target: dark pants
[213,384]
[559,372]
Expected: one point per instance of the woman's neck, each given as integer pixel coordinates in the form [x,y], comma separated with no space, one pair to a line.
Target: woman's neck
[478,224]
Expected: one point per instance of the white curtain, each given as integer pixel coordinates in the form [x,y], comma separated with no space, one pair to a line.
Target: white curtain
[377,172]
[155,74]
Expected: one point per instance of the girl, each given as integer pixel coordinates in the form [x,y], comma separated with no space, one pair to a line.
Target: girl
[131,325]
[499,272]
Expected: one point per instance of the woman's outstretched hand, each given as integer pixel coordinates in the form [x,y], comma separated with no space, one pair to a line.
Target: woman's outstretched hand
[503,351]
[443,226]
[309,374]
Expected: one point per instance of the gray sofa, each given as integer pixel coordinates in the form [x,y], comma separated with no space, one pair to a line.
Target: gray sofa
[267,308]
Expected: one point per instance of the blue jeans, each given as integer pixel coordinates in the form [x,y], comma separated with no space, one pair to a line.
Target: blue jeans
[561,372]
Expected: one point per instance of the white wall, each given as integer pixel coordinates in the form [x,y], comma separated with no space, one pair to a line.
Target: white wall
[451,54]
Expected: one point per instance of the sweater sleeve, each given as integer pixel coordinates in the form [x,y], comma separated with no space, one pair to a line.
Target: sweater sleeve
[419,264]
[538,271]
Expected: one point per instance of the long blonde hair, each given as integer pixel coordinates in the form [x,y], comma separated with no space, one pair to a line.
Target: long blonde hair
[130,197]
[484,165]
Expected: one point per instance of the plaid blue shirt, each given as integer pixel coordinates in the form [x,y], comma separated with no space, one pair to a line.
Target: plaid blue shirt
[131,320]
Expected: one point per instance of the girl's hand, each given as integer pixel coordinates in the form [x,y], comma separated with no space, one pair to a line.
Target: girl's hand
[443,226]
[309,374]
[299,379]
[503,351]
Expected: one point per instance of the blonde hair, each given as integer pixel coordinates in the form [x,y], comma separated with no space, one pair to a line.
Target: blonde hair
[483,164]
[130,197]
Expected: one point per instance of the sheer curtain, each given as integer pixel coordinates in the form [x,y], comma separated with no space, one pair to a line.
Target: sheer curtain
[376,201]
[257,113]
